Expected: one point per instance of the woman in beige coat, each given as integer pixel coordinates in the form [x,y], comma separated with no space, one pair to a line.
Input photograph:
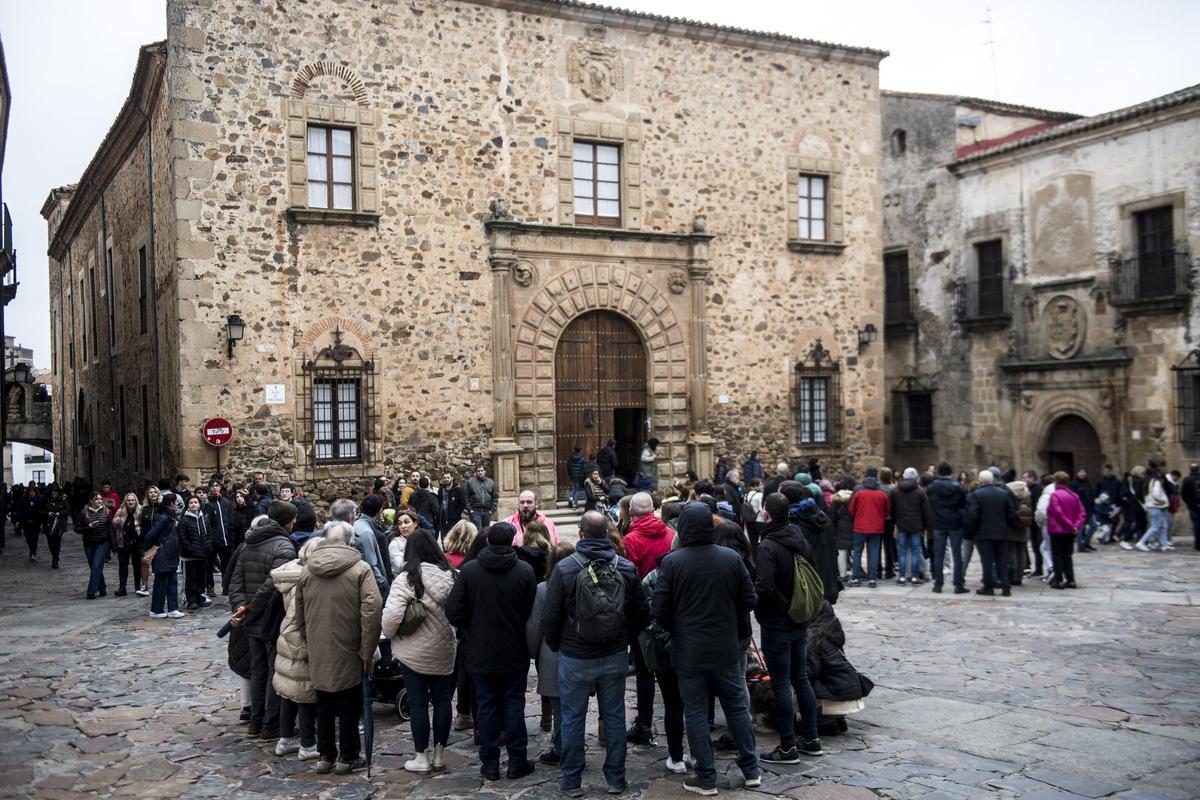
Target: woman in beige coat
[426,654]
[297,697]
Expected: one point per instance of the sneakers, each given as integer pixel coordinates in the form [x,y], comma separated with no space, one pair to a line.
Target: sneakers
[854,582]
[811,747]
[420,763]
[158,615]
[1126,546]
[308,753]
[346,767]
[725,743]
[900,581]
[1142,547]
[781,756]
[550,756]
[176,614]
[287,745]
[1167,547]
[917,581]
[142,592]
[618,788]
[323,767]
[871,584]
[680,767]
[703,791]
[754,783]
[639,734]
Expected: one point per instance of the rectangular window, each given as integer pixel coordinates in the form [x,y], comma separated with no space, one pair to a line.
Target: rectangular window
[137,467]
[897,297]
[1155,252]
[143,292]
[146,425]
[95,324]
[336,420]
[330,168]
[920,416]
[39,476]
[124,430]
[597,183]
[112,298]
[989,259]
[812,216]
[814,410]
[83,310]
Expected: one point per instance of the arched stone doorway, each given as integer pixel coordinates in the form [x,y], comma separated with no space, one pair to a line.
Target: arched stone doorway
[1073,443]
[600,390]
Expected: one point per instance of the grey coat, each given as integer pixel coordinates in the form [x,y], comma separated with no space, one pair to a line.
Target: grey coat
[547,659]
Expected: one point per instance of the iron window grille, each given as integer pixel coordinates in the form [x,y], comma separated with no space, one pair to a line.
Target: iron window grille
[1187,400]
[898,296]
[596,178]
[912,413]
[817,399]
[338,407]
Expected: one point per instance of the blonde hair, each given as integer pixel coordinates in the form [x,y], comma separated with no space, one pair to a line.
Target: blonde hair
[460,537]
[536,536]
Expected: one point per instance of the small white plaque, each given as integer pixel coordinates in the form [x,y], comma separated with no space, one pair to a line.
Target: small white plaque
[276,394]
[722,398]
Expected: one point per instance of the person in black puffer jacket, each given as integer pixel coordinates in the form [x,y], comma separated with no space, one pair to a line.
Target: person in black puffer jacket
[195,543]
[911,518]
[804,513]
[164,534]
[492,601]
[268,545]
[843,525]
[95,526]
[834,679]
[947,504]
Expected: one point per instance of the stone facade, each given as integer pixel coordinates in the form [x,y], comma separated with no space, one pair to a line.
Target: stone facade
[1082,332]
[460,261]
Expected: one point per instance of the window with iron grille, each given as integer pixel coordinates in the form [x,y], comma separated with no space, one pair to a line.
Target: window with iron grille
[1155,252]
[330,167]
[989,260]
[1187,400]
[338,409]
[596,178]
[912,413]
[812,216]
[897,307]
[816,399]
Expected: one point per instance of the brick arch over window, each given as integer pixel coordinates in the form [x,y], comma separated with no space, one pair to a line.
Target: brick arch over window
[602,287]
[306,74]
[308,340]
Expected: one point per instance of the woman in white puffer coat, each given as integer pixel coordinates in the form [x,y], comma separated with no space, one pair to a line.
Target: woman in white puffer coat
[426,654]
[297,697]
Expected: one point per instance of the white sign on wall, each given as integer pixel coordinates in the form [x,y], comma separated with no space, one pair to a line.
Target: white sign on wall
[276,394]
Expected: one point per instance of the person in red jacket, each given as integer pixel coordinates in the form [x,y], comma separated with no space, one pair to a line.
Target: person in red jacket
[869,507]
[646,541]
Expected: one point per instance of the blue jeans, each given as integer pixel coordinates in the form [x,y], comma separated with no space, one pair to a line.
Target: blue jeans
[871,540]
[786,653]
[96,554]
[500,696]
[482,520]
[729,686]
[577,679]
[1160,529]
[1083,537]
[909,547]
[940,540]
[576,490]
[166,592]
[421,689]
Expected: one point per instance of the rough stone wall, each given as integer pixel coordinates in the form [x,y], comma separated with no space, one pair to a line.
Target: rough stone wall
[467,99]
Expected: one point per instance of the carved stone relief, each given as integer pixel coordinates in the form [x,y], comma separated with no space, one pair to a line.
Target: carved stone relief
[1063,325]
[595,67]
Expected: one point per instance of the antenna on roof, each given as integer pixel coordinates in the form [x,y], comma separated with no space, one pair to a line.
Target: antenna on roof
[991,43]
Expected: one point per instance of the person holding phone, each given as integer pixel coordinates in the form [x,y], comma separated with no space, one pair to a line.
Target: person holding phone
[95,526]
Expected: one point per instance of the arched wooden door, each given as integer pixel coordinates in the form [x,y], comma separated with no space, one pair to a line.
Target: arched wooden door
[1072,444]
[600,390]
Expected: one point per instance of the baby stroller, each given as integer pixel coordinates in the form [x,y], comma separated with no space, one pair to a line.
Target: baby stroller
[387,686]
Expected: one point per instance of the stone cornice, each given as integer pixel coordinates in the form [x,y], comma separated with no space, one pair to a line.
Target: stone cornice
[589,232]
[121,138]
[642,22]
[1116,359]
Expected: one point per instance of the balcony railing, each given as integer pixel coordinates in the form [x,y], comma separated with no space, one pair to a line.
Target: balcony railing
[984,302]
[1159,281]
[44,458]
[901,312]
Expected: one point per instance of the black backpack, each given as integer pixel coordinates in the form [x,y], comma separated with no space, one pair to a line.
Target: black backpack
[599,601]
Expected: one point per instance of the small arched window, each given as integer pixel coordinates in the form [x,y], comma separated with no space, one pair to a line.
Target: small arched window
[899,142]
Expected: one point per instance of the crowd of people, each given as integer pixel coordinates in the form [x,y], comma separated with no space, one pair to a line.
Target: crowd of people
[414,579]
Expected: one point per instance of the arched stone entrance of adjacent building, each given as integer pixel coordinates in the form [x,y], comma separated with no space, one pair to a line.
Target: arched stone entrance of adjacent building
[1072,443]
[600,390]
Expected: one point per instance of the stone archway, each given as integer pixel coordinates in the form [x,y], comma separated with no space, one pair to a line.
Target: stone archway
[1072,443]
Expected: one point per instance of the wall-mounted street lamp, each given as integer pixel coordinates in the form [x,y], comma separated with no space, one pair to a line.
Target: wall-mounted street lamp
[235,329]
[867,336]
[20,373]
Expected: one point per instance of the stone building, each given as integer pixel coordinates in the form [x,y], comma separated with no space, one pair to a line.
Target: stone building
[1038,270]
[489,230]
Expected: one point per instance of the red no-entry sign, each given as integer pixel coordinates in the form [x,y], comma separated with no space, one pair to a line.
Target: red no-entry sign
[217,431]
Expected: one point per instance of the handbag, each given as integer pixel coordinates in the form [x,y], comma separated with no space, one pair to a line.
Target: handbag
[414,616]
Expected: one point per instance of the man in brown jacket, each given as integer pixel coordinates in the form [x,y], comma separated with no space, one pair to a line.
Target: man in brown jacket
[338,612]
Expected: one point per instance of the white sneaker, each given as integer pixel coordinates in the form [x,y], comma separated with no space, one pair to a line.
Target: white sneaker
[1168,547]
[420,763]
[142,592]
[438,760]
[176,614]
[159,615]
[1126,546]
[287,745]
[308,753]
[678,767]
[754,783]
[1142,547]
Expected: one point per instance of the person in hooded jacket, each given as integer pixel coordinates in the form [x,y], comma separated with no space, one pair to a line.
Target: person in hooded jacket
[1018,535]
[241,518]
[291,681]
[843,524]
[835,681]
[784,641]
[164,602]
[94,524]
[870,509]
[268,545]
[195,542]
[947,503]
[587,665]
[58,514]
[911,519]
[218,513]
[703,597]
[813,489]
[991,511]
[492,600]
[818,532]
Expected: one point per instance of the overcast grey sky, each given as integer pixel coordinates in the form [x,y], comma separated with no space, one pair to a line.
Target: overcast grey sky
[70,63]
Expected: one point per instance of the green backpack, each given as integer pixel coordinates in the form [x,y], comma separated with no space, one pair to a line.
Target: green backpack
[808,593]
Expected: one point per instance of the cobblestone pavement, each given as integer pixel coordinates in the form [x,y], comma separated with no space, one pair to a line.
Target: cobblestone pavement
[1050,694]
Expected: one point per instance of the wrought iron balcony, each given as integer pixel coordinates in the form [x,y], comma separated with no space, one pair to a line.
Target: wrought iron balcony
[43,458]
[1151,281]
[984,303]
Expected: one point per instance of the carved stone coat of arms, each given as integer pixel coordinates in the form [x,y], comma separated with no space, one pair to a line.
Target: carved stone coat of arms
[1063,324]
[595,67]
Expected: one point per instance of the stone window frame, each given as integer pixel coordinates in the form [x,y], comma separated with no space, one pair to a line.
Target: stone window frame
[364,125]
[835,220]
[1186,378]
[628,138]
[336,363]
[1127,216]
[901,423]
[819,363]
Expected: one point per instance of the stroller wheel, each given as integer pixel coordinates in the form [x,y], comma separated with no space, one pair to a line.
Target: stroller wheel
[402,708]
